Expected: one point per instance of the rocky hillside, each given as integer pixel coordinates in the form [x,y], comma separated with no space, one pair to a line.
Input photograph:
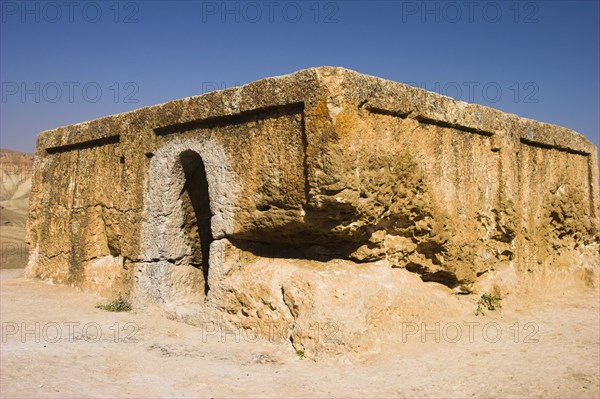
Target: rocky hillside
[15,185]
[16,169]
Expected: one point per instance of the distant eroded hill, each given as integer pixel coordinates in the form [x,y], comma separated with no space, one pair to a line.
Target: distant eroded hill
[16,169]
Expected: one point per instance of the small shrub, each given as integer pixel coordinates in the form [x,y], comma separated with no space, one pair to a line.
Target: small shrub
[118,305]
[300,353]
[489,302]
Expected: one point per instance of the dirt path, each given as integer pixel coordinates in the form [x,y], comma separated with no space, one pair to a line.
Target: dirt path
[556,355]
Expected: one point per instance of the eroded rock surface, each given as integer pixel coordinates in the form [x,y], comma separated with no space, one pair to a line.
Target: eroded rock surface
[323,197]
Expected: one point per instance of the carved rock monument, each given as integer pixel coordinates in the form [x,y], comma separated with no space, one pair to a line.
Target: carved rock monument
[325,196]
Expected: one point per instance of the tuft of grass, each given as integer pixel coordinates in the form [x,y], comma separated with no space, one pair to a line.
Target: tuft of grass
[489,302]
[300,353]
[118,305]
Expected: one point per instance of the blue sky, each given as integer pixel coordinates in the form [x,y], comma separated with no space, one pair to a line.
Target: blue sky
[65,62]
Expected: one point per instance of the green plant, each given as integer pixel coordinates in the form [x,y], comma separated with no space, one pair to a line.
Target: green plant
[118,305]
[489,302]
[300,353]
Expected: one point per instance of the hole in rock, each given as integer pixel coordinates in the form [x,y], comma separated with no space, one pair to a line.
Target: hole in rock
[196,207]
[441,277]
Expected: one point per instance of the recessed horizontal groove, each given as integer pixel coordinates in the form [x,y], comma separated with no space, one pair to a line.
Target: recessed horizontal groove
[380,111]
[552,147]
[463,128]
[84,144]
[236,119]
[429,121]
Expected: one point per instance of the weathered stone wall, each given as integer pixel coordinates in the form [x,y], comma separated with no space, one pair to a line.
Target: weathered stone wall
[325,165]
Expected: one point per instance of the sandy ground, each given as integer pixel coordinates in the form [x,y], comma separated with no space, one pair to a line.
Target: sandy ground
[50,348]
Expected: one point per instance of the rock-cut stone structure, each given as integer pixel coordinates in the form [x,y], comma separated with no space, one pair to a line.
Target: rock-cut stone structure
[309,196]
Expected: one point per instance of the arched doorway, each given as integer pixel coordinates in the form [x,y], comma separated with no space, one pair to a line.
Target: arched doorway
[190,198]
[196,211]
